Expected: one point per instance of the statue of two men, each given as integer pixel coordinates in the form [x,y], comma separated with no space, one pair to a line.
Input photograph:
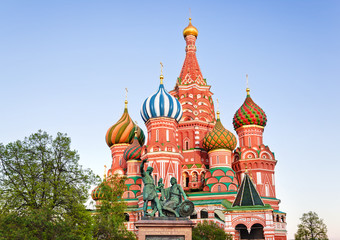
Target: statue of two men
[171,198]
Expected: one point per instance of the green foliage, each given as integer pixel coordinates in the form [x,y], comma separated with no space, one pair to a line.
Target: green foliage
[109,219]
[311,228]
[209,231]
[43,190]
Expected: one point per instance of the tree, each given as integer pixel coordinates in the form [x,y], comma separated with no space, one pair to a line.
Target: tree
[311,228]
[43,190]
[110,218]
[209,231]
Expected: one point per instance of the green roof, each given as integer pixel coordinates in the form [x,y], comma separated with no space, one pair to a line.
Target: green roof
[247,194]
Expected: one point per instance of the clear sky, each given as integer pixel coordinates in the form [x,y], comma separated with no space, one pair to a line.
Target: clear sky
[64,66]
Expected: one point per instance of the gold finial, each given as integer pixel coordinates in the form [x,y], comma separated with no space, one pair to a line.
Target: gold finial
[248,90]
[218,110]
[161,77]
[104,172]
[126,101]
[190,30]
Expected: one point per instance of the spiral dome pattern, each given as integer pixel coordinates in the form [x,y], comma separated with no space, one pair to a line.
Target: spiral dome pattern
[98,192]
[123,131]
[219,138]
[161,104]
[134,151]
[249,114]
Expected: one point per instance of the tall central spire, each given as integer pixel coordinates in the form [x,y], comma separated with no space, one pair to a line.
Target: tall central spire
[191,72]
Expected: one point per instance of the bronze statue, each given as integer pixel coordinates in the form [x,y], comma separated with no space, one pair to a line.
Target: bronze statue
[149,191]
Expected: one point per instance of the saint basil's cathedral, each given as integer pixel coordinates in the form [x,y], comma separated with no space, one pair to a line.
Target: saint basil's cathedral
[233,186]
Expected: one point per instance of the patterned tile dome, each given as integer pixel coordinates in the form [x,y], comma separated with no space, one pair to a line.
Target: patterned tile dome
[123,131]
[98,192]
[161,104]
[219,138]
[249,114]
[134,151]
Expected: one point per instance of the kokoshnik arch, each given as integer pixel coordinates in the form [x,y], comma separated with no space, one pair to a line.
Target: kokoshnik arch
[229,185]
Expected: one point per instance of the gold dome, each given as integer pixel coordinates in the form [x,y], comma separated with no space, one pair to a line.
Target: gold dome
[190,30]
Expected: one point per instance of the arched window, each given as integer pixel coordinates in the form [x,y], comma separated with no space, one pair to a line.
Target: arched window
[120,161]
[185,179]
[277,218]
[127,217]
[219,188]
[204,213]
[217,160]
[194,176]
[249,141]
[202,177]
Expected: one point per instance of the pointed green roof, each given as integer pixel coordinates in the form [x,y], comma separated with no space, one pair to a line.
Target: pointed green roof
[247,194]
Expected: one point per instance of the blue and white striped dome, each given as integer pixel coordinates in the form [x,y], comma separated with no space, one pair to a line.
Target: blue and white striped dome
[161,104]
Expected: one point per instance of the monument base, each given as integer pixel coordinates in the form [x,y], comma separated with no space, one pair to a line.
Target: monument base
[164,228]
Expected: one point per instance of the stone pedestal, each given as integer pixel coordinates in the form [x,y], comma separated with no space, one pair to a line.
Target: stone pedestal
[164,228]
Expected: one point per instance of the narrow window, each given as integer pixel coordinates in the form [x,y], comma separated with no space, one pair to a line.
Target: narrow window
[167,135]
[120,161]
[249,141]
[273,179]
[267,190]
[187,145]
[217,160]
[258,176]
[157,135]
[219,188]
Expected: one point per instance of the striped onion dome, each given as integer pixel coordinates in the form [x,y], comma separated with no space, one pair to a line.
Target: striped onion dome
[123,131]
[219,138]
[249,114]
[161,104]
[98,192]
[134,151]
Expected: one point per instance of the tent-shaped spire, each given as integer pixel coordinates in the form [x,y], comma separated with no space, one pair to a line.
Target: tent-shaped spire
[247,194]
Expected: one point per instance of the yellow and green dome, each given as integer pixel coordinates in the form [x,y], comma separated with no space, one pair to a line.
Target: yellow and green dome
[249,114]
[219,138]
[124,131]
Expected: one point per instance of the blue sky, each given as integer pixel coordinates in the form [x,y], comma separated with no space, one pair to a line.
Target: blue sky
[64,66]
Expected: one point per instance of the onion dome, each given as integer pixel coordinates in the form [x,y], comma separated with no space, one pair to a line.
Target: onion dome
[161,104]
[249,114]
[123,131]
[98,192]
[134,151]
[219,138]
[190,30]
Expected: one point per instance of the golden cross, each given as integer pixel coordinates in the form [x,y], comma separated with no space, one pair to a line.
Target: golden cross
[247,79]
[161,68]
[126,92]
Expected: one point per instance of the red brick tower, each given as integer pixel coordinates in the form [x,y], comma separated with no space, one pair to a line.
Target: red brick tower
[161,113]
[198,118]
[249,122]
